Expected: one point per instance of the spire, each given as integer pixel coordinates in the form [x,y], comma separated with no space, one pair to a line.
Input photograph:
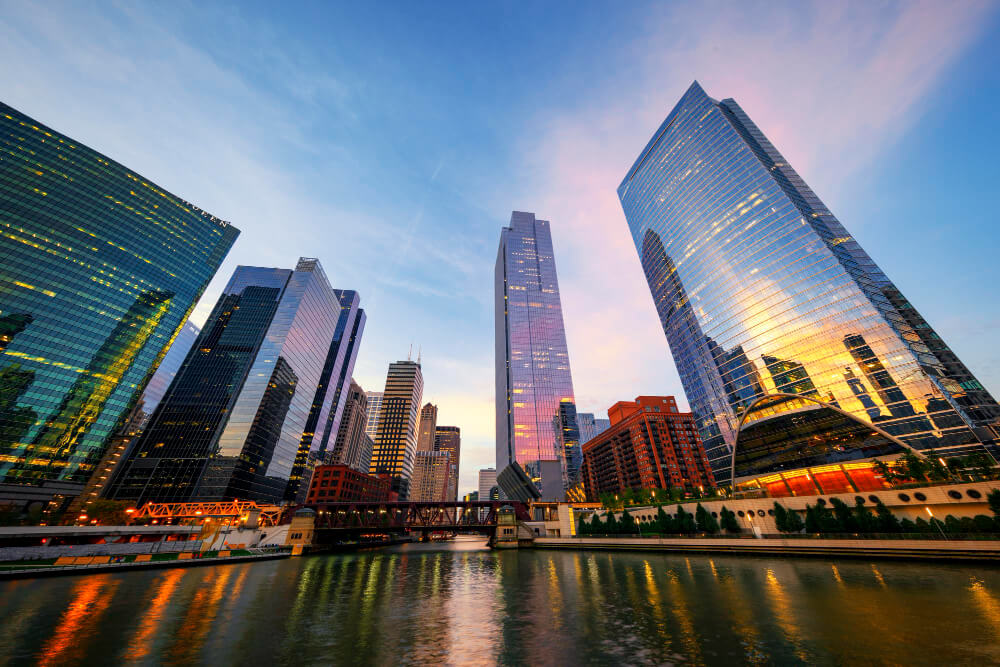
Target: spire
[420,351]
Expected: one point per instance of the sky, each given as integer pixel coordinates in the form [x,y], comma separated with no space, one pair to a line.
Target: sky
[392,141]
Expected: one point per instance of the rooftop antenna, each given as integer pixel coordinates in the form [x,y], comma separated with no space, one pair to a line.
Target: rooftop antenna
[409,355]
[420,351]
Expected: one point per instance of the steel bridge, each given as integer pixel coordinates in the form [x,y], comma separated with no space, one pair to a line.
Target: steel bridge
[229,511]
[480,516]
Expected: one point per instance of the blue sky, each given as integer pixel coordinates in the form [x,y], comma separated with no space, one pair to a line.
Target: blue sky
[392,140]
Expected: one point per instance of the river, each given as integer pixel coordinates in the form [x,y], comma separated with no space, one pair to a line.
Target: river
[459,603]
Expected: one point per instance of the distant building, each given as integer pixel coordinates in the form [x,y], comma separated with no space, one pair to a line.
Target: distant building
[590,427]
[649,445]
[427,429]
[396,438]
[341,484]
[449,439]
[100,270]
[535,406]
[231,422]
[488,489]
[431,477]
[371,417]
[471,497]
[763,293]
[353,446]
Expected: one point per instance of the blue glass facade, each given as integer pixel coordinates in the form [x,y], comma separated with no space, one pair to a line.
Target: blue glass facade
[535,405]
[232,421]
[762,291]
[100,270]
[167,370]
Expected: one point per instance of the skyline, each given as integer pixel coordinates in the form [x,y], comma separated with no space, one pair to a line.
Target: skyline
[574,153]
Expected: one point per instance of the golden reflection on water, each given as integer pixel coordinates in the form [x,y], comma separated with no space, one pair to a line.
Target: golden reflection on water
[878,576]
[88,601]
[656,602]
[679,607]
[987,603]
[783,613]
[153,614]
[198,620]
[742,620]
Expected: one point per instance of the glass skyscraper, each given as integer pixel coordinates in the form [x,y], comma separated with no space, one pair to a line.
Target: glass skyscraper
[167,370]
[396,434]
[535,406]
[761,291]
[100,269]
[232,421]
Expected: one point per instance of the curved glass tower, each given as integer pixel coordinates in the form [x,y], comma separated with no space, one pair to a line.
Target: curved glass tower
[762,291]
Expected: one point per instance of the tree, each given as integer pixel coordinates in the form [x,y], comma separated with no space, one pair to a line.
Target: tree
[627,498]
[983,464]
[793,522]
[109,512]
[729,522]
[936,470]
[596,527]
[863,518]
[706,522]
[885,471]
[993,499]
[984,524]
[664,524]
[885,520]
[685,521]
[916,468]
[922,526]
[952,525]
[812,519]
[627,525]
[676,493]
[582,528]
[780,517]
[907,526]
[610,524]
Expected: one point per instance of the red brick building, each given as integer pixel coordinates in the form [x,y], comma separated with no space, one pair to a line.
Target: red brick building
[342,484]
[649,445]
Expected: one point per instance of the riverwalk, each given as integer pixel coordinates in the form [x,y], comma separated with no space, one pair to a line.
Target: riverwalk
[89,565]
[978,550]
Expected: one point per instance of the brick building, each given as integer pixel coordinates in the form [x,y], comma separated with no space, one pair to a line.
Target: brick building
[648,445]
[341,484]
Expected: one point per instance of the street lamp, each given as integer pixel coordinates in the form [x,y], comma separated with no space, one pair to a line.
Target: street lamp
[936,523]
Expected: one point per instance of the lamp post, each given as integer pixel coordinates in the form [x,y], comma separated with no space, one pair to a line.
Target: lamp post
[941,530]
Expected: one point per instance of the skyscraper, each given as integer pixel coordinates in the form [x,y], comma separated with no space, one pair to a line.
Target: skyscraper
[761,291]
[428,428]
[449,439]
[353,446]
[396,438]
[101,268]
[535,407]
[330,394]
[487,483]
[371,416]
[231,422]
[431,472]
[590,427]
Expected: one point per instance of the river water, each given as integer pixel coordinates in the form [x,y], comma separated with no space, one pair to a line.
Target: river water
[458,603]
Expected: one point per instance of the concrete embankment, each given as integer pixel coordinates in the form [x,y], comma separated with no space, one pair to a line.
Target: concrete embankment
[986,550]
[64,570]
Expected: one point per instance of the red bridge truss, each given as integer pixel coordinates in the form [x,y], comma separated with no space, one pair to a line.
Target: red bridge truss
[477,515]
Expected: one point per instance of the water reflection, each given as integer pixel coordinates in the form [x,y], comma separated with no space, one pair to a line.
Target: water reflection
[461,604]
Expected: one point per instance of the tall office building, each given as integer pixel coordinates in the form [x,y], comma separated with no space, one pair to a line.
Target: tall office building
[371,417]
[761,291]
[232,420]
[328,402]
[449,439]
[535,408]
[396,437]
[590,427]
[164,375]
[353,446]
[428,428]
[431,471]
[488,483]
[101,268]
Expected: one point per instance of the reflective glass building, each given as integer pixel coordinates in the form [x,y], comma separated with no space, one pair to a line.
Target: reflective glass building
[164,375]
[100,269]
[398,419]
[535,406]
[761,291]
[233,418]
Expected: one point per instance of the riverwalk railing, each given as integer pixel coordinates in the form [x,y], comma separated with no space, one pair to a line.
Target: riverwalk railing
[804,536]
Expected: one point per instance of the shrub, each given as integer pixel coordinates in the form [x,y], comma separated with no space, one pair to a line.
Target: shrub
[627,526]
[885,520]
[984,524]
[780,517]
[684,521]
[907,526]
[844,520]
[793,522]
[729,522]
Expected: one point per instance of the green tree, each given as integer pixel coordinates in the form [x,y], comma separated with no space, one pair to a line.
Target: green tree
[952,525]
[885,471]
[596,526]
[780,517]
[627,498]
[936,470]
[108,512]
[863,519]
[610,524]
[907,526]
[922,526]
[812,519]
[705,521]
[664,524]
[993,499]
[984,524]
[793,522]
[627,526]
[885,520]
[729,522]
[983,464]
[582,527]
[676,493]
[845,522]
[916,468]
[685,521]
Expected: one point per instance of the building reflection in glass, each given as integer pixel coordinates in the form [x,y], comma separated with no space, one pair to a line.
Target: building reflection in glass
[759,287]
